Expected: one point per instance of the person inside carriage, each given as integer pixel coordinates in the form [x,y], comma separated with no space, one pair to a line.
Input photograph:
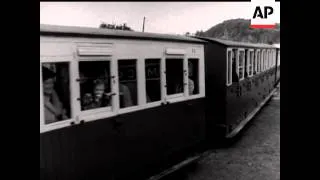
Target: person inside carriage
[53,107]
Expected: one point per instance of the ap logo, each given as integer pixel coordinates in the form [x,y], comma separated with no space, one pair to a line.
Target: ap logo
[263,14]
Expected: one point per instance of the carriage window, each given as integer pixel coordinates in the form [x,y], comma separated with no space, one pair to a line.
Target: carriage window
[262,60]
[174,76]
[153,80]
[251,63]
[274,57]
[193,77]
[246,64]
[278,58]
[268,59]
[235,76]
[128,83]
[258,59]
[265,59]
[254,61]
[241,65]
[229,68]
[95,84]
[56,92]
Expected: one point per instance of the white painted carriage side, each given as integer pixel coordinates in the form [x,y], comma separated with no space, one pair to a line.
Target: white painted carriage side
[72,50]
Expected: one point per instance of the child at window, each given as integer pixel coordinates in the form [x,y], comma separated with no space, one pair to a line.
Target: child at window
[98,98]
[53,108]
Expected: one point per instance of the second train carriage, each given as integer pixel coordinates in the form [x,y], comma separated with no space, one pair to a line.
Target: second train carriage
[117,104]
[240,77]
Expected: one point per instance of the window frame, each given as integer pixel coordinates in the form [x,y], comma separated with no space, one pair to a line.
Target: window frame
[178,96]
[199,79]
[278,64]
[154,103]
[257,59]
[140,94]
[229,68]
[250,60]
[263,52]
[270,59]
[238,63]
[274,57]
[266,60]
[73,110]
[104,112]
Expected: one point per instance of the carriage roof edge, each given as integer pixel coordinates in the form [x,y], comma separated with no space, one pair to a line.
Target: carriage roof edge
[46,29]
[235,43]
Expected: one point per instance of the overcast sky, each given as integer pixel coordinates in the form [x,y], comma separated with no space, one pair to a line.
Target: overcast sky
[161,17]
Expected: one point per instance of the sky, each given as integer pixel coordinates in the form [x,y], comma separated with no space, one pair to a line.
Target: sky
[161,17]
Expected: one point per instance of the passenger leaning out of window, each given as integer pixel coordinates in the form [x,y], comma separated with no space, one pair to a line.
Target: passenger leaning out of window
[98,98]
[53,108]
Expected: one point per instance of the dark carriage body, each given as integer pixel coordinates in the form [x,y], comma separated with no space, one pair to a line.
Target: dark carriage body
[230,105]
[124,144]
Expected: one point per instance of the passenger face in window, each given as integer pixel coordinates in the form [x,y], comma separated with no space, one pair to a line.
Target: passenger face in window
[48,86]
[48,81]
[99,90]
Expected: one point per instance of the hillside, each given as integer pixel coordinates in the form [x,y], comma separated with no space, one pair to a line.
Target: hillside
[239,30]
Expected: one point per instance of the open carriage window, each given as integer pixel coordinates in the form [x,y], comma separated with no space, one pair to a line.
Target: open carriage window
[262,60]
[278,58]
[56,92]
[235,76]
[229,67]
[251,62]
[95,84]
[254,61]
[258,61]
[174,76]
[193,76]
[153,80]
[128,84]
[246,63]
[265,60]
[269,59]
[241,67]
[274,58]
[250,56]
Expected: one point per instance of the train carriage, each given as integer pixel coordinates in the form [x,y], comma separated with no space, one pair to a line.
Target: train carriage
[122,105]
[116,104]
[240,77]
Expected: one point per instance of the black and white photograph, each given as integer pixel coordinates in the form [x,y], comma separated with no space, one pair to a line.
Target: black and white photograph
[160,90]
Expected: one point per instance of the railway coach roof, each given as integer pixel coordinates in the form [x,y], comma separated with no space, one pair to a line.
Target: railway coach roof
[98,32]
[237,44]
